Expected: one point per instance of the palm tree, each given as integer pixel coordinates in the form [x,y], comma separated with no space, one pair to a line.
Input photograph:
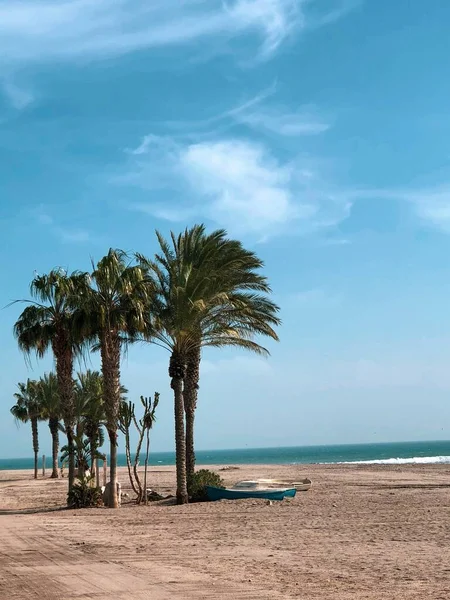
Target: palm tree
[48,323]
[112,314]
[48,392]
[207,295]
[90,410]
[239,287]
[27,409]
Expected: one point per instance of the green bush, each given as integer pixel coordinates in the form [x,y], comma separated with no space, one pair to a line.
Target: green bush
[84,495]
[198,483]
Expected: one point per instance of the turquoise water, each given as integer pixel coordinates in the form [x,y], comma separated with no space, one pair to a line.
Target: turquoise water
[394,453]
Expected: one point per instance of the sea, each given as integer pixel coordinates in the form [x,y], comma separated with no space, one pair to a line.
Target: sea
[388,454]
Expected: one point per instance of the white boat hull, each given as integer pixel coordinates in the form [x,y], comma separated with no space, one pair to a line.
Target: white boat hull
[258,484]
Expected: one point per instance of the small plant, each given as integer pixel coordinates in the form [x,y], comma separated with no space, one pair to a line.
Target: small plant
[127,416]
[84,494]
[83,454]
[199,481]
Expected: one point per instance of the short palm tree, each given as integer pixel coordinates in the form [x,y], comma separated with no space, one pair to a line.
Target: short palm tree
[48,323]
[90,412]
[111,315]
[48,392]
[202,300]
[27,409]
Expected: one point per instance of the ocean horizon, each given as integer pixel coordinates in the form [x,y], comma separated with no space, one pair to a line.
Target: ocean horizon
[432,452]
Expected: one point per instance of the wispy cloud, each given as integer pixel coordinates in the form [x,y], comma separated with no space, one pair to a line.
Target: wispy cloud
[433,206]
[430,204]
[50,29]
[18,97]
[237,183]
[316,297]
[243,183]
[36,30]
[301,122]
[258,113]
[66,235]
[305,120]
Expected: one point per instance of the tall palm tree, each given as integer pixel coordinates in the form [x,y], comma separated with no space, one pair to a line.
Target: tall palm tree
[238,290]
[27,409]
[48,392]
[202,300]
[48,323]
[112,314]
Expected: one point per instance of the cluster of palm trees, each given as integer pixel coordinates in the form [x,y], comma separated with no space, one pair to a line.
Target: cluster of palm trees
[39,400]
[200,290]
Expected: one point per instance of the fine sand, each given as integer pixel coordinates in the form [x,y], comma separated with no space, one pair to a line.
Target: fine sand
[361,532]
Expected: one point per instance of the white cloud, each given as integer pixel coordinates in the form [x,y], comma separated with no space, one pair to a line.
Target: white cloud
[72,235]
[238,184]
[256,114]
[48,29]
[18,97]
[243,182]
[336,242]
[285,123]
[143,146]
[303,121]
[316,297]
[66,235]
[42,30]
[44,218]
[433,206]
[430,204]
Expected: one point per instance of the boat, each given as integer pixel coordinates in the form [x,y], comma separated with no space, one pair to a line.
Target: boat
[289,491]
[302,485]
[215,493]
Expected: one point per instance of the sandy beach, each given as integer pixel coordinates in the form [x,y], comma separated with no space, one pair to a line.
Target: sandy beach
[361,532]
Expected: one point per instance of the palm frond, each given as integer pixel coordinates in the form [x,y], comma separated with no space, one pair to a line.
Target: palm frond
[208,291]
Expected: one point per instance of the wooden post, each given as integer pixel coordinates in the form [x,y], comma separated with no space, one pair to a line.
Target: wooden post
[105,466]
[43,465]
[97,473]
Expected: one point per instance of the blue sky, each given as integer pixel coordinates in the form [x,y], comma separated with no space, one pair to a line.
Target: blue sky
[314,130]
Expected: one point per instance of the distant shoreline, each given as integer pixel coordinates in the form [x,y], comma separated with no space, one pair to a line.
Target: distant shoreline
[433,452]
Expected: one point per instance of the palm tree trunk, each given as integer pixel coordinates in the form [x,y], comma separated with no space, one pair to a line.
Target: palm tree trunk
[93,450]
[81,467]
[71,457]
[92,434]
[176,372]
[190,395]
[110,355]
[34,431]
[113,497]
[180,442]
[63,352]
[190,452]
[53,426]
